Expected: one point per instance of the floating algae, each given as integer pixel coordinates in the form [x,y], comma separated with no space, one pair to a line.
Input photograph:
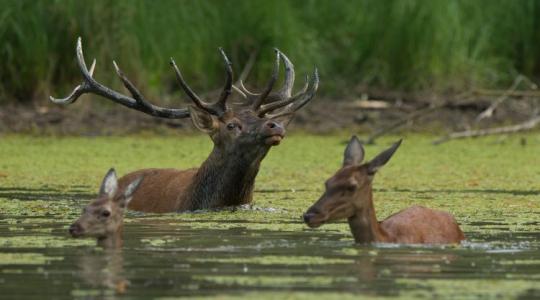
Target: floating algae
[264,251]
[26,259]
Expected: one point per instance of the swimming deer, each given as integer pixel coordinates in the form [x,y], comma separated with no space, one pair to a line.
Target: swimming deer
[349,195]
[103,218]
[242,135]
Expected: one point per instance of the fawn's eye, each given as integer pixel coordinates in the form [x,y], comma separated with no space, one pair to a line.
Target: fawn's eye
[231,126]
[105,213]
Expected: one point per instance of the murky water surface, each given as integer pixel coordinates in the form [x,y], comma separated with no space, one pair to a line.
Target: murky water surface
[265,252]
[166,256]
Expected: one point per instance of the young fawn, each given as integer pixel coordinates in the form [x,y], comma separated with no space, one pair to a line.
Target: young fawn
[103,218]
[349,195]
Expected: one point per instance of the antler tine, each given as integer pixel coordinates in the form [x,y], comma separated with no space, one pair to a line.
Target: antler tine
[266,108]
[227,89]
[286,90]
[245,91]
[300,99]
[189,92]
[131,88]
[79,89]
[90,85]
[261,97]
[304,88]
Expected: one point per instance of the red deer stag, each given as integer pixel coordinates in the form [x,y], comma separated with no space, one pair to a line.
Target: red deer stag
[349,195]
[242,136]
[103,218]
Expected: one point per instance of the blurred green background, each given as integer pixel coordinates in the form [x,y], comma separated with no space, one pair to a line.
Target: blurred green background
[436,45]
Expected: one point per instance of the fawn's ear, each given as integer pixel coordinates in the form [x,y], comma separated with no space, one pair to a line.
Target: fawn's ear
[130,189]
[380,160]
[203,120]
[109,185]
[354,152]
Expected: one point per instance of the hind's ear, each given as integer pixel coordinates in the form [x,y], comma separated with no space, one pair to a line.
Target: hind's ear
[380,160]
[130,189]
[354,152]
[109,186]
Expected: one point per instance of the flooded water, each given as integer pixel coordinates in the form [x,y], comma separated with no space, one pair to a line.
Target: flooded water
[171,256]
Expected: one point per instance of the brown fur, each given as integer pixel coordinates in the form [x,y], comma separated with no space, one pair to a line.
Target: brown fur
[103,218]
[349,194]
[227,176]
[163,190]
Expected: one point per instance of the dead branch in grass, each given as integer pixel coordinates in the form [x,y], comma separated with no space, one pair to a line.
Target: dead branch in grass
[527,125]
[410,117]
[504,96]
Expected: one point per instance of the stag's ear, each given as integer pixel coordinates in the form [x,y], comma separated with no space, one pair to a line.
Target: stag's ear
[354,152]
[203,120]
[130,189]
[380,160]
[109,185]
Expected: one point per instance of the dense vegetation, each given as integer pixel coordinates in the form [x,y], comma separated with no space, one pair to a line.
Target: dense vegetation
[416,44]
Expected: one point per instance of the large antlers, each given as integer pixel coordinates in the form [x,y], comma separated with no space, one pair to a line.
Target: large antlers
[281,98]
[278,103]
[137,101]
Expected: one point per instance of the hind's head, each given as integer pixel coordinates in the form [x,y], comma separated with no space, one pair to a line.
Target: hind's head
[104,216]
[349,190]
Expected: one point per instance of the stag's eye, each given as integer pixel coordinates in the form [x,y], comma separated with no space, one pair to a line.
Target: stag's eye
[105,213]
[231,126]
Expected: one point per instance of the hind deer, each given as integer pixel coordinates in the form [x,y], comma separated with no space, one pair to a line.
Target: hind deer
[242,135]
[103,218]
[349,195]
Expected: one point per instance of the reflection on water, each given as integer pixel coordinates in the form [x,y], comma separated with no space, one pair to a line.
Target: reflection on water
[167,257]
[102,269]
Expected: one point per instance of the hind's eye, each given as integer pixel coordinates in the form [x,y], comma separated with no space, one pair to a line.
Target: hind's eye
[105,213]
[231,126]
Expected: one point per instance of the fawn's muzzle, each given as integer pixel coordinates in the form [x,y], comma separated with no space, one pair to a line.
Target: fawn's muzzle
[75,230]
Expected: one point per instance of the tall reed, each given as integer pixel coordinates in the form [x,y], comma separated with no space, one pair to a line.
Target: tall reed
[397,45]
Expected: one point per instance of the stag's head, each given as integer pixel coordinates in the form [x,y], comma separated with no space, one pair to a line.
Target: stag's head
[349,190]
[104,216]
[259,121]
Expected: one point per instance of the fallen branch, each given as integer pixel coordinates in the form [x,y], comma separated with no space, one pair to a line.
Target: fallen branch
[528,125]
[505,95]
[410,117]
[496,93]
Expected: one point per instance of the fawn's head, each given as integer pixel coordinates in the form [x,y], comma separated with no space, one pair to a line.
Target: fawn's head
[104,216]
[349,190]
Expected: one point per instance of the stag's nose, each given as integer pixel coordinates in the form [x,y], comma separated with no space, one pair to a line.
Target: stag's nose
[273,125]
[75,229]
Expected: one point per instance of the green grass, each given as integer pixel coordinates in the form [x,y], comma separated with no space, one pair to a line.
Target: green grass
[413,44]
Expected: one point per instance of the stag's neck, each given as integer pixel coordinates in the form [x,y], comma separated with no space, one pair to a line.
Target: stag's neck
[112,240]
[364,225]
[226,179]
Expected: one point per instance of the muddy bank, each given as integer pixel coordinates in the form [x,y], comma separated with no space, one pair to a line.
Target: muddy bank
[359,114]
